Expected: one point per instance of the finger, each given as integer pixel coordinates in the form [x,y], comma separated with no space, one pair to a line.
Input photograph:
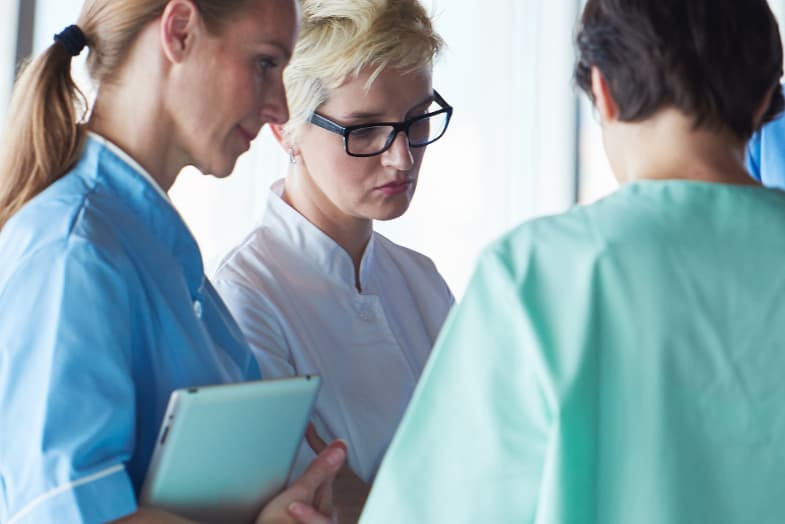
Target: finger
[324,500]
[314,440]
[323,468]
[307,515]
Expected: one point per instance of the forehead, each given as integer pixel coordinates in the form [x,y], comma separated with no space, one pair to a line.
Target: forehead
[391,89]
[265,21]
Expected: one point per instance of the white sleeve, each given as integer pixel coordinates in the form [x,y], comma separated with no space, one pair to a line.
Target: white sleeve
[259,322]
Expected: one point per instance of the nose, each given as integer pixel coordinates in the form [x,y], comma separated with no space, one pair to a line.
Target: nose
[399,155]
[275,109]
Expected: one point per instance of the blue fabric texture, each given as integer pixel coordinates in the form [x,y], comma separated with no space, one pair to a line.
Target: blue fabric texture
[104,310]
[766,154]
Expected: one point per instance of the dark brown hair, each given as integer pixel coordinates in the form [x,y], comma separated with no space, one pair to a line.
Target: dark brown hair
[714,60]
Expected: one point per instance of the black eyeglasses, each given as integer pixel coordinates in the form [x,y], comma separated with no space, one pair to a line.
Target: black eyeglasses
[376,138]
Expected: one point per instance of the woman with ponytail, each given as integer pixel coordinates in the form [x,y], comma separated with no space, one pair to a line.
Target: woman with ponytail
[104,307]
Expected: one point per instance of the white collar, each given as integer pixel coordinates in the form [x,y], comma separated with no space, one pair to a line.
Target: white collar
[329,258]
[125,157]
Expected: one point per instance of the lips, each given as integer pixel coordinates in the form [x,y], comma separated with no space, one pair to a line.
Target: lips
[247,135]
[396,187]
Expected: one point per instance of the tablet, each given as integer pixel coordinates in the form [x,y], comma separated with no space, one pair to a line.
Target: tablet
[224,451]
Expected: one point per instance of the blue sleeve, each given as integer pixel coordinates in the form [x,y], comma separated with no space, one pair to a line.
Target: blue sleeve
[753,155]
[67,396]
[766,153]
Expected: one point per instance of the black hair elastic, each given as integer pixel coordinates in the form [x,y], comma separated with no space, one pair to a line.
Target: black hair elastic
[73,39]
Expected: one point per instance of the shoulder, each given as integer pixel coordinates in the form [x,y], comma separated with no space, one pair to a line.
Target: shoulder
[414,266]
[403,255]
[60,224]
[247,278]
[551,241]
[251,262]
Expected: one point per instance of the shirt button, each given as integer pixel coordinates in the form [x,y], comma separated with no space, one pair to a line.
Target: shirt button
[366,315]
[198,309]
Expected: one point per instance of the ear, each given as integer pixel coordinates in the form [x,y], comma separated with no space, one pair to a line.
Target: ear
[763,106]
[603,98]
[280,135]
[180,23]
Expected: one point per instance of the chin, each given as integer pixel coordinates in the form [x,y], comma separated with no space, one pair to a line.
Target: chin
[221,169]
[222,173]
[391,214]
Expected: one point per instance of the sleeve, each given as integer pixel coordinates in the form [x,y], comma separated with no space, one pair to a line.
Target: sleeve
[67,402]
[754,155]
[258,321]
[765,152]
[472,444]
[256,316]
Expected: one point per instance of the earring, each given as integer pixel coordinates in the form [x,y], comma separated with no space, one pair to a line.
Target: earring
[292,159]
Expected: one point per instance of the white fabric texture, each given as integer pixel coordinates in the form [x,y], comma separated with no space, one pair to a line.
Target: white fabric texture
[292,290]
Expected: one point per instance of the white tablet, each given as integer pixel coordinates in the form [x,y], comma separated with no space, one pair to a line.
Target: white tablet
[224,451]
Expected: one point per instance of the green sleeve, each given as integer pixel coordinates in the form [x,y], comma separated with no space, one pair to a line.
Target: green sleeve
[473,442]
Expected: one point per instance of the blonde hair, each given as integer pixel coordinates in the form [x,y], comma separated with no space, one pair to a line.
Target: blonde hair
[341,38]
[45,132]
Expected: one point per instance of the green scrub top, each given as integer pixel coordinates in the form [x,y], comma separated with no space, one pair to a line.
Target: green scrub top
[620,363]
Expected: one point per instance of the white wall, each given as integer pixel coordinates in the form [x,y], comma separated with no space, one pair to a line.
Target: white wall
[509,152]
[8,23]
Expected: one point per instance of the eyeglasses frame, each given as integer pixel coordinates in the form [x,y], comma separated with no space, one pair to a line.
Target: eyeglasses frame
[344,131]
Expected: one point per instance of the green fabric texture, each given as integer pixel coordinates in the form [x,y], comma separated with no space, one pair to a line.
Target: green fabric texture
[621,363]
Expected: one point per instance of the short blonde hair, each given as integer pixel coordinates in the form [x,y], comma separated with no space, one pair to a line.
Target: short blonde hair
[341,38]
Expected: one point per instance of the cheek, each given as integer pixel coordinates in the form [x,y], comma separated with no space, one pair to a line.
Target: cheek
[346,177]
[350,180]
[418,154]
[235,89]
[326,160]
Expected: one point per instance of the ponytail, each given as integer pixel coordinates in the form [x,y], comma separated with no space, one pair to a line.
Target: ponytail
[44,134]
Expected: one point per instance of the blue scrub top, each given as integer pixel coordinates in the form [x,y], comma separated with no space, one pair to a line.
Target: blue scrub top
[104,310]
[766,154]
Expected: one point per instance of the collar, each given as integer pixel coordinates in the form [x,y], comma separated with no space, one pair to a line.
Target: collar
[106,166]
[125,157]
[308,241]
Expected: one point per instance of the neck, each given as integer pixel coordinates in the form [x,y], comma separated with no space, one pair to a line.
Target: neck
[667,146]
[137,138]
[132,114]
[351,233]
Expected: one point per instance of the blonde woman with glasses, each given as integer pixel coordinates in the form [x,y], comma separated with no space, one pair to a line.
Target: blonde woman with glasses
[314,288]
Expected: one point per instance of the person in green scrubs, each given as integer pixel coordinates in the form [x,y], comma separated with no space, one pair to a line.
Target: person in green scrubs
[624,362]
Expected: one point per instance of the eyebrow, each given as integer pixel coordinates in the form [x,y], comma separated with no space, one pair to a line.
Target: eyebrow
[368,115]
[287,54]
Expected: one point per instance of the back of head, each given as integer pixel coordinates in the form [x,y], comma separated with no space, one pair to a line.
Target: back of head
[45,131]
[341,38]
[714,60]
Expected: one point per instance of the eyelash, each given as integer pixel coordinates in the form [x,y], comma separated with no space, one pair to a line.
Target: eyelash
[265,64]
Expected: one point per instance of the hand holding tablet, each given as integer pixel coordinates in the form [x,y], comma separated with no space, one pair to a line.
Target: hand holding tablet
[224,451]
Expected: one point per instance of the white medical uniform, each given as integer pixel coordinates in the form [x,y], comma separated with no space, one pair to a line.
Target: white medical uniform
[292,290]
